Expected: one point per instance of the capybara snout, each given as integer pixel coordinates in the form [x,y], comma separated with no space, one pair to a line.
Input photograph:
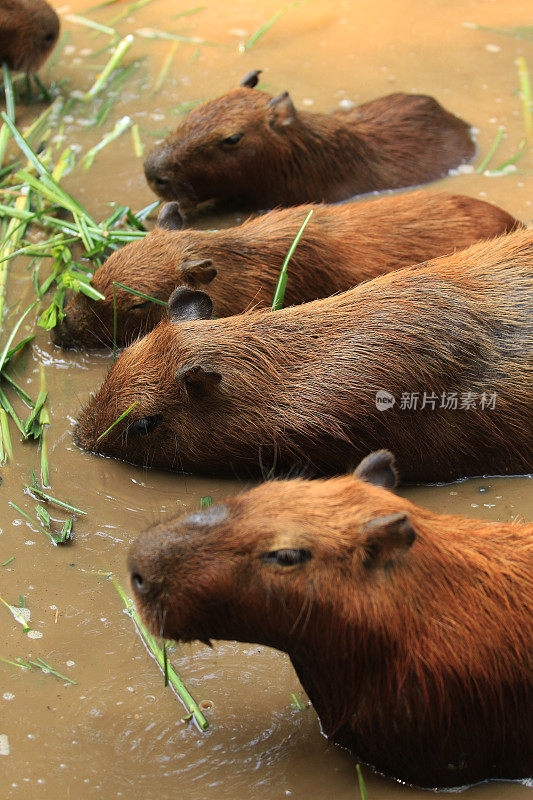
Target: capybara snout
[28,32]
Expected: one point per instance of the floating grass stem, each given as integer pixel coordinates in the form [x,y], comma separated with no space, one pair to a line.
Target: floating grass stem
[281,285]
[7,449]
[492,149]
[118,419]
[20,619]
[9,560]
[121,126]
[159,654]
[34,489]
[120,51]
[260,32]
[362,784]
[525,92]
[138,148]
[163,74]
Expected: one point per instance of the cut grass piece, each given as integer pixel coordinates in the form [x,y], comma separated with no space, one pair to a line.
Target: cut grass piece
[158,653]
[163,74]
[89,23]
[10,108]
[34,489]
[13,234]
[525,91]
[138,148]
[517,32]
[13,333]
[7,449]
[205,502]
[260,32]
[362,784]
[124,413]
[6,405]
[20,619]
[120,51]
[9,560]
[27,516]
[492,149]
[121,126]
[281,285]
[153,33]
[38,663]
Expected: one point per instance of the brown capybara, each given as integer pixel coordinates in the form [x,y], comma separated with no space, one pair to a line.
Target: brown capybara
[411,632]
[258,149]
[340,247]
[28,33]
[434,361]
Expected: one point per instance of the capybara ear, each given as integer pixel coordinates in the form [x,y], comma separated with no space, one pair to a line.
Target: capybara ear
[281,111]
[170,217]
[378,468]
[185,305]
[252,79]
[198,381]
[198,272]
[384,538]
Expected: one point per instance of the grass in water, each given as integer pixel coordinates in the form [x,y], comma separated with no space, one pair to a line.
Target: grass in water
[9,560]
[37,663]
[362,784]
[159,654]
[260,32]
[281,285]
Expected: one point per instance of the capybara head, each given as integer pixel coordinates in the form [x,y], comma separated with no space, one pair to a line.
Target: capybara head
[410,631]
[170,390]
[217,148]
[28,32]
[214,573]
[153,266]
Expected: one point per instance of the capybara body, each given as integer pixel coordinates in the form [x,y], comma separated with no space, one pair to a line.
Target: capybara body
[450,341]
[411,632]
[249,146]
[28,33]
[340,247]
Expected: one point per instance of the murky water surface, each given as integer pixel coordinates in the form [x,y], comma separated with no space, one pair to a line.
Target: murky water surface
[118,732]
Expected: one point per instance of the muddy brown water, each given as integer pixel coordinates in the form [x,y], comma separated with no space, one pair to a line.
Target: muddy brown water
[118,732]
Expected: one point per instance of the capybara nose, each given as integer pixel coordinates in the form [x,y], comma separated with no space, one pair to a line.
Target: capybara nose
[138,583]
[156,167]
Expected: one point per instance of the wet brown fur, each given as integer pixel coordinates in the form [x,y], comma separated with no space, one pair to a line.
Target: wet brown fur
[287,157]
[417,657]
[341,247]
[298,386]
[28,32]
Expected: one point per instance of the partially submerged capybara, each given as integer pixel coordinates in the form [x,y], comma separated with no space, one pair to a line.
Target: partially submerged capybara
[340,247]
[249,146]
[28,33]
[433,361]
[411,632]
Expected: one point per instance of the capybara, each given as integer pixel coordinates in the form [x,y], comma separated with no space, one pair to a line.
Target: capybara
[258,149]
[28,33]
[434,361]
[411,632]
[340,247]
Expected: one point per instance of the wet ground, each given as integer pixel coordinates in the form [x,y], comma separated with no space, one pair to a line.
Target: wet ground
[118,732]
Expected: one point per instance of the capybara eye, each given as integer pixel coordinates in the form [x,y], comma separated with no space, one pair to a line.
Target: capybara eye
[139,305]
[145,425]
[229,141]
[287,557]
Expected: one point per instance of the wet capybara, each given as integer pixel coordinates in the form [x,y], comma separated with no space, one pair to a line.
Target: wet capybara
[433,361]
[258,149]
[411,632]
[340,247]
[28,33]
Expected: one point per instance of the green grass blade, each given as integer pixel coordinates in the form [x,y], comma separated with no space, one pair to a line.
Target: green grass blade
[281,285]
[124,413]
